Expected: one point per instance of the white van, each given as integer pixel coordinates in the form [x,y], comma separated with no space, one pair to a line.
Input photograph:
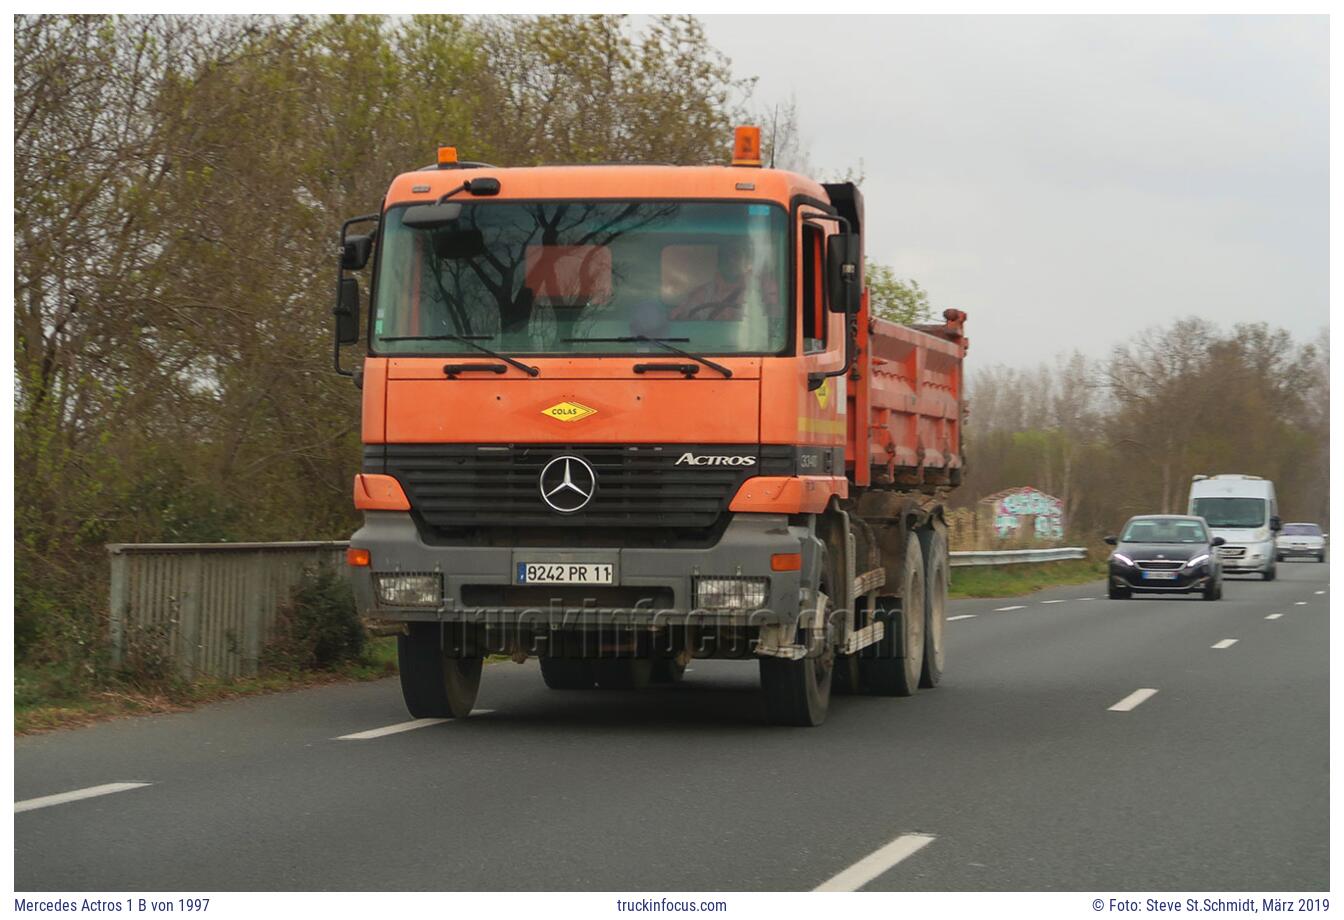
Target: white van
[1244,512]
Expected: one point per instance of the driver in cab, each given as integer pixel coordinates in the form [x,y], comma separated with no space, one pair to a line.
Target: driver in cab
[723,297]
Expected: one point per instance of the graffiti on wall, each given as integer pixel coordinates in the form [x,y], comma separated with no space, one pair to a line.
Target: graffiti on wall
[1015,508]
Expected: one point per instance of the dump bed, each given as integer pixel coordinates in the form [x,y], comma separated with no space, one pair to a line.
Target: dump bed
[906,406]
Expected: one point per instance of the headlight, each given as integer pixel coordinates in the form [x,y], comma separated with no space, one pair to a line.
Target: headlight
[1122,558]
[730,592]
[1201,558]
[409,590]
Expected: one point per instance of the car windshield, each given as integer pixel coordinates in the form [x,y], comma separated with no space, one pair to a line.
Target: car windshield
[1164,530]
[1231,512]
[566,277]
[1301,530]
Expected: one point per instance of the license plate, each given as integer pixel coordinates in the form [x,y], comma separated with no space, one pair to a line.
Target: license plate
[564,573]
[1160,576]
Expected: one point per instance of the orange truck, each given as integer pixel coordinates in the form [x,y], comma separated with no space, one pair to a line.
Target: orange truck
[619,417]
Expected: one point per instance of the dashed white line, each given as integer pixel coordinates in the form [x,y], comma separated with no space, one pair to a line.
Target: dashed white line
[1134,699]
[1320,592]
[1300,604]
[1087,598]
[1014,607]
[1224,643]
[1055,602]
[75,795]
[1273,616]
[964,616]
[402,727]
[875,863]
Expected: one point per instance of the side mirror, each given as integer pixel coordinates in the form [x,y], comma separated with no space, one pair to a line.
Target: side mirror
[1217,541]
[346,312]
[1275,523]
[1111,540]
[842,272]
[355,252]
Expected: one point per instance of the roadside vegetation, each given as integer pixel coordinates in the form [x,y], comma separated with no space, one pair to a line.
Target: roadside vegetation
[1017,580]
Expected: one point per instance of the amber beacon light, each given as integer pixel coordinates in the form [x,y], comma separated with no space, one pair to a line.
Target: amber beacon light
[747,146]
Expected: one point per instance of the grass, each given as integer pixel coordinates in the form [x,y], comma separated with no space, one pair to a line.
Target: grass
[1016,580]
[50,697]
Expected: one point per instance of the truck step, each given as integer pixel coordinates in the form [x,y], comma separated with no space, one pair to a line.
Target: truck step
[869,581]
[869,635]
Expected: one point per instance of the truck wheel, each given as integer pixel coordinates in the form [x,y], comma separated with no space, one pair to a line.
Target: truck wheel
[799,692]
[667,671]
[433,685]
[933,542]
[896,668]
[567,673]
[623,673]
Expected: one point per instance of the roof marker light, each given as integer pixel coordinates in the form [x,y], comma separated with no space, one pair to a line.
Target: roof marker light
[747,146]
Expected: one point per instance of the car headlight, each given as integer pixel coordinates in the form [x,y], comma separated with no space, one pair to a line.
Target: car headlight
[1198,560]
[409,590]
[730,592]
[1122,559]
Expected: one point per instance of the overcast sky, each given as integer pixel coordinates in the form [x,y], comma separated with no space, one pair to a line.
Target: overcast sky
[1069,180]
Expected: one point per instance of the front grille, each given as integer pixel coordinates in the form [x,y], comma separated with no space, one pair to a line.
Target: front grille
[1231,552]
[1159,565]
[453,487]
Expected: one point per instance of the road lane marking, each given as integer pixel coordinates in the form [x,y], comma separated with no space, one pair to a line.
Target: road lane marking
[1087,598]
[1134,699]
[875,863]
[964,616]
[1225,643]
[1273,616]
[402,727]
[1054,602]
[1320,592]
[1300,604]
[1015,607]
[75,795]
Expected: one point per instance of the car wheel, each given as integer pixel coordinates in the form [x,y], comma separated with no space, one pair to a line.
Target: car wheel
[1118,594]
[1270,573]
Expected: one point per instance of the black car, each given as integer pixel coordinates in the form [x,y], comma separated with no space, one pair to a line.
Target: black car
[1165,553]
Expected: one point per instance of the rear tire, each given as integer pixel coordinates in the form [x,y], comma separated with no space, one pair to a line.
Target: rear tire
[567,673]
[433,685]
[899,660]
[933,542]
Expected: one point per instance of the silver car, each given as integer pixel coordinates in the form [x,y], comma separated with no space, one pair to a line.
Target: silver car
[1300,540]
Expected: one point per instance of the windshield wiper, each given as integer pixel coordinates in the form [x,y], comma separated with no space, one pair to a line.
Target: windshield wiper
[465,340]
[662,343]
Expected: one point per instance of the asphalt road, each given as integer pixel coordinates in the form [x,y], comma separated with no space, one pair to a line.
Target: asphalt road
[1014,774]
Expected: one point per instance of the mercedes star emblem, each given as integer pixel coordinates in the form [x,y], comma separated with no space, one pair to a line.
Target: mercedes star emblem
[568,484]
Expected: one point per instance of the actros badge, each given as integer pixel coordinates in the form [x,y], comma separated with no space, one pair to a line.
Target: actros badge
[568,484]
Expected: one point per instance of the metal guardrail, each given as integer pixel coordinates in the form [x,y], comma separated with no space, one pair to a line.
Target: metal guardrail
[1016,556]
[208,607]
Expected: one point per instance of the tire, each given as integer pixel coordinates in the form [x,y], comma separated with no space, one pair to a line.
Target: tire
[433,685]
[1320,557]
[1118,594]
[567,673]
[896,667]
[667,671]
[623,673]
[799,692]
[933,544]
[1270,573]
[1278,558]
[1213,591]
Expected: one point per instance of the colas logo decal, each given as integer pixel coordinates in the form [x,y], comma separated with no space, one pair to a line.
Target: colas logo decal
[568,411]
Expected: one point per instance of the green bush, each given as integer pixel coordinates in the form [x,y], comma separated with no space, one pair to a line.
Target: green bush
[318,628]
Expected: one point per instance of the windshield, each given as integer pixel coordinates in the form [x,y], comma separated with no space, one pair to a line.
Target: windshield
[552,277]
[1231,512]
[1164,530]
[1301,530]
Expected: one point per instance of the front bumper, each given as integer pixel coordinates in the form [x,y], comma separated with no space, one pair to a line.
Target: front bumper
[651,587]
[1185,580]
[1255,557]
[1310,552]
